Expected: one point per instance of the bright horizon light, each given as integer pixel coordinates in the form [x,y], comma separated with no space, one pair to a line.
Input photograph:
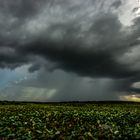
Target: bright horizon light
[133,98]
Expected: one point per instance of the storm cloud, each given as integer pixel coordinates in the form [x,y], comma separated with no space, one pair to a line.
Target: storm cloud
[94,38]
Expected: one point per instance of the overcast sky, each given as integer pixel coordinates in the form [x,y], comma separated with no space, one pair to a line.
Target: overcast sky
[65,50]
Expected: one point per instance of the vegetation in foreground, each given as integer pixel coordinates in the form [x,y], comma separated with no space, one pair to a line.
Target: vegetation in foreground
[69,121]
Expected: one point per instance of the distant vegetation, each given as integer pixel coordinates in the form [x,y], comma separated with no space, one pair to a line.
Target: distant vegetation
[69,121]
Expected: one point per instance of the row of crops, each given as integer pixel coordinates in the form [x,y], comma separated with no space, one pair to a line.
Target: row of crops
[70,121]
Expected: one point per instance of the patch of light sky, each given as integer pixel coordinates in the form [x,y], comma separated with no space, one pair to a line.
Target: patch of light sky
[11,77]
[125,11]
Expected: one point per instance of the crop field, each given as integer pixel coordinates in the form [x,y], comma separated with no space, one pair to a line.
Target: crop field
[70,121]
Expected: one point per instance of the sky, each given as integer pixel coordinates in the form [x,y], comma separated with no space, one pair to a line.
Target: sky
[69,50]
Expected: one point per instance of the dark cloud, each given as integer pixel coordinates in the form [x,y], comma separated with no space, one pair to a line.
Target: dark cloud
[85,38]
[86,62]
[21,9]
[34,67]
[94,54]
[88,48]
[117,3]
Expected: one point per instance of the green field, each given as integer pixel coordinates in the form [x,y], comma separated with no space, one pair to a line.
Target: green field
[70,121]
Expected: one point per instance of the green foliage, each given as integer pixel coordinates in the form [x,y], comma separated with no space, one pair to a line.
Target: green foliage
[70,121]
